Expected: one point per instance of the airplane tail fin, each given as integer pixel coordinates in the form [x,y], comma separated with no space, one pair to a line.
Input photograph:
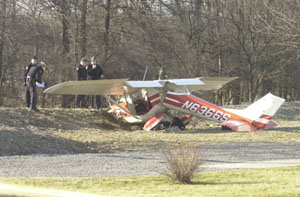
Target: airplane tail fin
[262,111]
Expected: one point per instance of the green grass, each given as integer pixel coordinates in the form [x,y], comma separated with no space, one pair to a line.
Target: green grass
[255,182]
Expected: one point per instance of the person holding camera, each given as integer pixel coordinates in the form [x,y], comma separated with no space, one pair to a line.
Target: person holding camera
[95,72]
[81,75]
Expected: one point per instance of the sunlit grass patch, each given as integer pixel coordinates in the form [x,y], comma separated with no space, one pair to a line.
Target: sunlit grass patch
[255,182]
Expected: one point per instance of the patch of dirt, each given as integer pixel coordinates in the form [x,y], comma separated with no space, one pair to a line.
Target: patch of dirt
[65,119]
[63,131]
[24,132]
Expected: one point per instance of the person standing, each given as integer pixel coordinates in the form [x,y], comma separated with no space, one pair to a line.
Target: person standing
[33,76]
[95,72]
[81,75]
[34,62]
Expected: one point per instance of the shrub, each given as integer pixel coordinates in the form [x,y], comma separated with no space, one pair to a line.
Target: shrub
[183,163]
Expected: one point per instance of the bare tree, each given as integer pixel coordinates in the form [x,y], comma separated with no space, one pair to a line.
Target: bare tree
[83,29]
[257,41]
[2,35]
[107,28]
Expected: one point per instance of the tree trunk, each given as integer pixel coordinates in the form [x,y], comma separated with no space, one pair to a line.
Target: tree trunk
[65,14]
[82,25]
[65,28]
[107,28]
[2,32]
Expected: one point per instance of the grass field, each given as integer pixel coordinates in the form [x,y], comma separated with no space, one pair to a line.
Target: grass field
[64,131]
[80,131]
[256,182]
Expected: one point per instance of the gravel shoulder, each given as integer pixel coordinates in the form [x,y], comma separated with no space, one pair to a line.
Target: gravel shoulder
[217,157]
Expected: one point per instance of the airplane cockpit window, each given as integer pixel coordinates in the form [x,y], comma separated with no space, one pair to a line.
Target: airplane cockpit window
[141,102]
[140,107]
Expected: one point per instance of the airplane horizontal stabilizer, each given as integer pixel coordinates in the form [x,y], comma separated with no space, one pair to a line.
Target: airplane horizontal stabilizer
[270,125]
[239,125]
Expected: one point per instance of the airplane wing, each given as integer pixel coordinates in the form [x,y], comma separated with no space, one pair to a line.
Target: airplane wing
[176,83]
[161,83]
[116,86]
[212,83]
[89,87]
[200,83]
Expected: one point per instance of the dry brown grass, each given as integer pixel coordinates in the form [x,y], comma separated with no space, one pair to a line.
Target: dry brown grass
[183,162]
[82,131]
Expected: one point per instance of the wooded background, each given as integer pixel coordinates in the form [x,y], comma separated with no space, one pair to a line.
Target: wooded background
[255,40]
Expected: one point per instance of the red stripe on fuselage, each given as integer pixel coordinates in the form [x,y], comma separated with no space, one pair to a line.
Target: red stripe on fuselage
[188,97]
[154,96]
[197,106]
[172,103]
[154,99]
[155,102]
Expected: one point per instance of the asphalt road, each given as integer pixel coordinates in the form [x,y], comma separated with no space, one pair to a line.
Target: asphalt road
[224,156]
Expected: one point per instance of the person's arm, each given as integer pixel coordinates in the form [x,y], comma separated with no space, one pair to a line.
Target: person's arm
[25,74]
[26,69]
[79,74]
[101,73]
[90,70]
[38,75]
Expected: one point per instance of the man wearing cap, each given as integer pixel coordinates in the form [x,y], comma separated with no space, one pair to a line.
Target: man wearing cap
[81,75]
[95,72]
[26,69]
[34,75]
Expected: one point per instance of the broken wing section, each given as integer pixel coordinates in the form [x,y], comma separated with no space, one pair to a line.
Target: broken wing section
[152,122]
[89,87]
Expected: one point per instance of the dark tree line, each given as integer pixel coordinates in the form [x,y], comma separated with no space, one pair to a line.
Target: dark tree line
[255,40]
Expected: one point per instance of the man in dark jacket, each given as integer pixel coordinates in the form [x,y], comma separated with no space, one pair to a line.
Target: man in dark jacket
[81,75]
[95,72]
[33,76]
[34,62]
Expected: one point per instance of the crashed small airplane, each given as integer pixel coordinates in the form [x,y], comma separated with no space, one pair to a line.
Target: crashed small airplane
[150,102]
